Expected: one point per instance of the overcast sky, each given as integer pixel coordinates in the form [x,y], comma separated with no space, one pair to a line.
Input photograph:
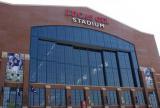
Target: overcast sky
[144,15]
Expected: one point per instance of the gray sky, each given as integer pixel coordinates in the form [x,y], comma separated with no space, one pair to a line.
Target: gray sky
[144,15]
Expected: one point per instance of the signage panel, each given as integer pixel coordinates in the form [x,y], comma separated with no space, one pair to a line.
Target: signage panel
[86,19]
[14,67]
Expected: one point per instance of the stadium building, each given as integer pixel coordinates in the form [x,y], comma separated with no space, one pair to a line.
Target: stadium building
[74,57]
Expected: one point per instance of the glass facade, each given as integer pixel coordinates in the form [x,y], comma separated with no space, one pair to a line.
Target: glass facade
[153,100]
[37,99]
[57,97]
[77,97]
[79,56]
[12,97]
[95,98]
[112,97]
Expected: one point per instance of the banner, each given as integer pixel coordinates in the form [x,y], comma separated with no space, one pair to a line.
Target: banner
[148,77]
[14,67]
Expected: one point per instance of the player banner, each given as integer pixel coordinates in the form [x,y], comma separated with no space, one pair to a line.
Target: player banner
[14,67]
[148,77]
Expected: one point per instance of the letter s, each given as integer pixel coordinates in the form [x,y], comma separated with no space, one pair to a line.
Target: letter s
[74,19]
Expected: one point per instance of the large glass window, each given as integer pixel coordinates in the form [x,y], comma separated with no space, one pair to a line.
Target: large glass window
[80,56]
[125,69]
[111,69]
[62,64]
[52,62]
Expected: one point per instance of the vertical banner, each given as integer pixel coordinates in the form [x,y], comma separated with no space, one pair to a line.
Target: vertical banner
[14,67]
[148,77]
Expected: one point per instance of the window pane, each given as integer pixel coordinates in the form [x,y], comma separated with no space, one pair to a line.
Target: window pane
[51,72]
[57,97]
[41,74]
[111,69]
[77,97]
[95,98]
[37,97]
[125,69]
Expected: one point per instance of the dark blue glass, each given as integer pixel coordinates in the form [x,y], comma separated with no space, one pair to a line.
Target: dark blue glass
[95,98]
[42,32]
[85,75]
[77,34]
[33,49]
[33,70]
[93,39]
[153,100]
[111,97]
[77,97]
[34,32]
[52,32]
[123,45]
[52,62]
[126,98]
[92,58]
[60,53]
[84,57]
[111,69]
[132,47]
[77,75]
[60,73]
[125,69]
[140,98]
[61,33]
[84,36]
[107,40]
[68,54]
[134,59]
[51,72]
[42,50]
[76,57]
[37,99]
[99,39]
[70,35]
[12,97]
[114,43]
[41,71]
[49,51]
[69,69]
[58,97]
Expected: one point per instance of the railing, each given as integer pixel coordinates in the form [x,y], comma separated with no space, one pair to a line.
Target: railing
[119,92]
[136,95]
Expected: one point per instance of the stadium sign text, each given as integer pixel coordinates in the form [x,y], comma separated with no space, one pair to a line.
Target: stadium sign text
[86,19]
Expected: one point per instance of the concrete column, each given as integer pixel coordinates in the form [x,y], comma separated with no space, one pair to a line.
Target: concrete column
[26,80]
[68,97]
[133,98]
[120,98]
[87,97]
[47,96]
[3,63]
[104,98]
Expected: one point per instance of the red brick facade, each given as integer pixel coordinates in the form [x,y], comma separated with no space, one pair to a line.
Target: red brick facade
[16,22]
